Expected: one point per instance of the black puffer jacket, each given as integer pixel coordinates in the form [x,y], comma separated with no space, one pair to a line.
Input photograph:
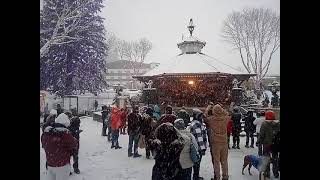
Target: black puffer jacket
[134,123]
[167,148]
[248,124]
[236,124]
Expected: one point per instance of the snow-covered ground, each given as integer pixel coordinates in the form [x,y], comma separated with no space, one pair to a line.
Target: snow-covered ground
[97,161]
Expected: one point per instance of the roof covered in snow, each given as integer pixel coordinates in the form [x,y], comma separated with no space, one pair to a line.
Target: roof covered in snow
[193,61]
[196,63]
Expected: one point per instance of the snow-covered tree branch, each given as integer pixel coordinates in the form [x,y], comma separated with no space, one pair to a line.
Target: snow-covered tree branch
[67,22]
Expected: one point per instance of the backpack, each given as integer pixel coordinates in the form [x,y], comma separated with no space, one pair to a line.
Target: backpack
[194,153]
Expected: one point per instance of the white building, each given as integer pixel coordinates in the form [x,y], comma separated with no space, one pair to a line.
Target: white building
[121,72]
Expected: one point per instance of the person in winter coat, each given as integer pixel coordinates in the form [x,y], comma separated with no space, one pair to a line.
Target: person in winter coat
[96,104]
[258,122]
[74,128]
[217,123]
[268,131]
[236,128]
[124,114]
[183,114]
[59,109]
[249,128]
[156,112]
[185,155]
[59,144]
[198,130]
[167,147]
[104,115]
[168,116]
[275,152]
[147,128]
[229,131]
[50,119]
[115,127]
[134,128]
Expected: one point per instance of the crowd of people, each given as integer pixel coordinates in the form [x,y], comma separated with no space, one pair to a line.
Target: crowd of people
[177,141]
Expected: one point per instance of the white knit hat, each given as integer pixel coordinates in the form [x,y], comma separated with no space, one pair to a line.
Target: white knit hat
[63,119]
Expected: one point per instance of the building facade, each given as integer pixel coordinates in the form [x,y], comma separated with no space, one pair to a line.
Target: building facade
[121,72]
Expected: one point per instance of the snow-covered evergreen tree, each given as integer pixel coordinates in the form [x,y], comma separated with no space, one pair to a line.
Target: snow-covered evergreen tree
[72,46]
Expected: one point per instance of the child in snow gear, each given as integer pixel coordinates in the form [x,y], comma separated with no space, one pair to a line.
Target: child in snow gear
[236,128]
[217,123]
[198,130]
[59,144]
[249,128]
[134,125]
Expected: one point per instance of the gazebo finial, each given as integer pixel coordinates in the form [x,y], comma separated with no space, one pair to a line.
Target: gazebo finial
[191,26]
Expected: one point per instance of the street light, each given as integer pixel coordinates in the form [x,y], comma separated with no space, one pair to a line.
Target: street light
[191,82]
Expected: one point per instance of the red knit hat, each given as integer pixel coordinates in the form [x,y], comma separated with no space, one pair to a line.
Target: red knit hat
[270,115]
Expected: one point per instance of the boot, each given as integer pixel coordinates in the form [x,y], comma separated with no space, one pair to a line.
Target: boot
[137,155]
[118,147]
[233,146]
[77,171]
[252,146]
[247,145]
[198,178]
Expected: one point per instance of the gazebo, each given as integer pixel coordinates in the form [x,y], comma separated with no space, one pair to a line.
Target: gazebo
[192,78]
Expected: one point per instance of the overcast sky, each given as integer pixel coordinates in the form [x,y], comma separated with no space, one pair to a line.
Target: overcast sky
[164,21]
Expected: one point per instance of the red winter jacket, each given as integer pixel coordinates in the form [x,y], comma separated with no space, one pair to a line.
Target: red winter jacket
[115,118]
[58,144]
[229,126]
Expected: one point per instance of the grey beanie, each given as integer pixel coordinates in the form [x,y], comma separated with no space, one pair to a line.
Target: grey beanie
[179,124]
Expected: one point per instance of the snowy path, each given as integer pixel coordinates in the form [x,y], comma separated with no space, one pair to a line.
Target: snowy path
[97,161]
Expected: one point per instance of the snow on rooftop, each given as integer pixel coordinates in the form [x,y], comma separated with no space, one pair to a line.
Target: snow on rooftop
[193,63]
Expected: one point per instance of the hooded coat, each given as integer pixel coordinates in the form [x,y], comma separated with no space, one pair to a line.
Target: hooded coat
[167,148]
[58,142]
[218,124]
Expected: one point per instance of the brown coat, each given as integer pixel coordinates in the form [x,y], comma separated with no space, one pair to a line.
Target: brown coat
[218,124]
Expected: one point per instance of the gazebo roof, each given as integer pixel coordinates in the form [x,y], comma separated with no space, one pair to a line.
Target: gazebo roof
[196,63]
[192,61]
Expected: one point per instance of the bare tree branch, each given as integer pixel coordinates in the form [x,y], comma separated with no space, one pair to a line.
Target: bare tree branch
[255,33]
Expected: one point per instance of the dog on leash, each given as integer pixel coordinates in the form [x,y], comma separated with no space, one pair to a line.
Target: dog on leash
[260,163]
